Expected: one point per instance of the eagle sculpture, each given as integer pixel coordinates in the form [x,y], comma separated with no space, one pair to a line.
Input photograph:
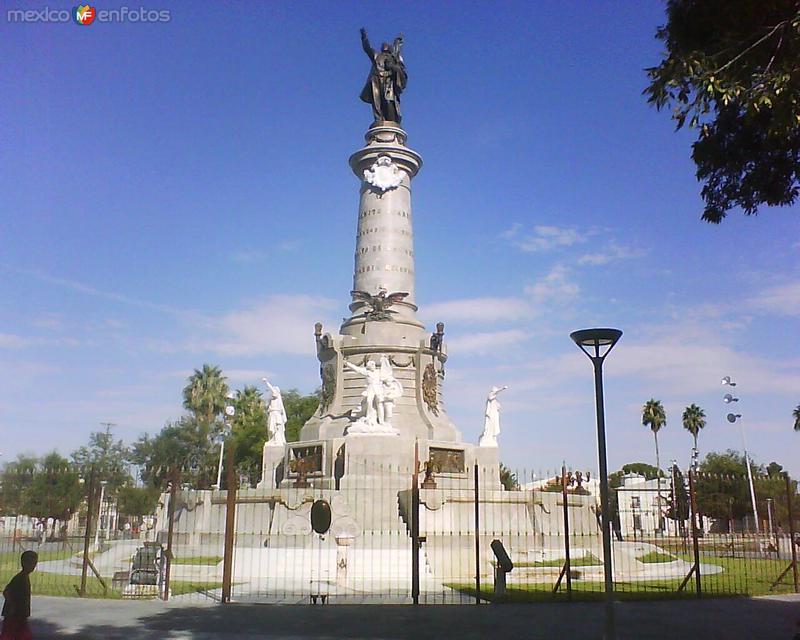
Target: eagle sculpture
[379,303]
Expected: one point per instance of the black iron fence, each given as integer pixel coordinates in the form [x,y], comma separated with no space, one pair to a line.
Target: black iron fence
[385,534]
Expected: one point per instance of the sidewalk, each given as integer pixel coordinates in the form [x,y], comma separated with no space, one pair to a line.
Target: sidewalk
[722,619]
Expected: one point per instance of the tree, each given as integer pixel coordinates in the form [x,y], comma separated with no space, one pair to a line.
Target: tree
[654,416]
[731,69]
[109,458]
[16,478]
[135,502]
[679,499]
[205,395]
[508,478]
[182,446]
[249,431]
[722,487]
[694,419]
[643,469]
[796,416]
[299,409]
[55,491]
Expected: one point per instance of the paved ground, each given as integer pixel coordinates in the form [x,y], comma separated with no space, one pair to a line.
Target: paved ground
[723,619]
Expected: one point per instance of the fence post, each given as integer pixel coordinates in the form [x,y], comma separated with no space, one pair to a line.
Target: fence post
[567,568]
[415,527]
[695,540]
[173,490]
[792,545]
[230,523]
[87,536]
[477,537]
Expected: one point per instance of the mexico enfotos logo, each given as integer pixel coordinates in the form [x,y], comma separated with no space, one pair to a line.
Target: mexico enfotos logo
[85,14]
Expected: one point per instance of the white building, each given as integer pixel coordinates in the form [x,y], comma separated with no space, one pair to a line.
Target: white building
[643,505]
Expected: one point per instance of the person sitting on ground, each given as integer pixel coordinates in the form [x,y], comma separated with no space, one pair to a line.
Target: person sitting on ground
[17,606]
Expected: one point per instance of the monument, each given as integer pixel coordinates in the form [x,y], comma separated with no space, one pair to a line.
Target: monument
[382,375]
[381,429]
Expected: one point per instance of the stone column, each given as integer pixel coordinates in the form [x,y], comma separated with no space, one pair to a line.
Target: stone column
[384,255]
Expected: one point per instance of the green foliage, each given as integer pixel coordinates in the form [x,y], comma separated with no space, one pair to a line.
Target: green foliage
[299,409]
[17,478]
[183,446]
[109,458]
[679,501]
[796,416]
[249,431]
[205,396]
[694,419]
[731,70]
[508,478]
[654,416]
[136,502]
[722,487]
[643,469]
[41,488]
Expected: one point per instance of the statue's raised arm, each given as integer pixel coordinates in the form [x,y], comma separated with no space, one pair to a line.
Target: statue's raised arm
[366,45]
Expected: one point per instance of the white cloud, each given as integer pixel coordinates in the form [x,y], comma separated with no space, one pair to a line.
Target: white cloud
[543,238]
[473,310]
[781,300]
[279,324]
[14,341]
[554,287]
[486,342]
[611,253]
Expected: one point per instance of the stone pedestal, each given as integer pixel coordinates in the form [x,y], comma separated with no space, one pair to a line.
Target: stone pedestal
[273,466]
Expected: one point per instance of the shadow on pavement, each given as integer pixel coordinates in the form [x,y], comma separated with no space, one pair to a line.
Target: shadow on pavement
[726,619]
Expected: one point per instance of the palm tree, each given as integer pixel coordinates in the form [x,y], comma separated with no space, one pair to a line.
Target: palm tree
[694,419]
[204,395]
[796,416]
[654,416]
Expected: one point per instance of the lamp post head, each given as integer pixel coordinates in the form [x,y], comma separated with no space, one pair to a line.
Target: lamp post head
[732,417]
[728,398]
[727,380]
[596,343]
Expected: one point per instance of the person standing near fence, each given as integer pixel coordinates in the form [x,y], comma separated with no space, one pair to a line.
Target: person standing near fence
[17,605]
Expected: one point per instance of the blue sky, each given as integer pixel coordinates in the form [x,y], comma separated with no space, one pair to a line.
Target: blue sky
[178,193]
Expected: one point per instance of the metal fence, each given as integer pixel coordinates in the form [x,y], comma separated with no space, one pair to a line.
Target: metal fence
[386,534]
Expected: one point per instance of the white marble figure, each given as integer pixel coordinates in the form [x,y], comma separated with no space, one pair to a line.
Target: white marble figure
[491,422]
[392,390]
[276,417]
[377,405]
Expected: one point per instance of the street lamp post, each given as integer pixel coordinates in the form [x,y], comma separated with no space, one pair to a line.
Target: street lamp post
[597,344]
[230,411]
[732,418]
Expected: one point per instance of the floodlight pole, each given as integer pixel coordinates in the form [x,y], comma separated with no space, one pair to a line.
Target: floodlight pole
[590,342]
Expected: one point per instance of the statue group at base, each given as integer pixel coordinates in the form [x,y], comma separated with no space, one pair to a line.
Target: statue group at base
[382,389]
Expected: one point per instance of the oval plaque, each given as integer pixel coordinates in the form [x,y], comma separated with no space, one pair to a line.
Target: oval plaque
[321,516]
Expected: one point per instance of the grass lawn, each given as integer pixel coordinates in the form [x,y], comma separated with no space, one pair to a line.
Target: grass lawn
[655,556]
[586,561]
[740,577]
[209,560]
[10,559]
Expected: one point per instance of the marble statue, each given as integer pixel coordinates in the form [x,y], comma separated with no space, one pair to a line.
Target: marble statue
[387,79]
[491,422]
[381,391]
[276,417]
[392,390]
